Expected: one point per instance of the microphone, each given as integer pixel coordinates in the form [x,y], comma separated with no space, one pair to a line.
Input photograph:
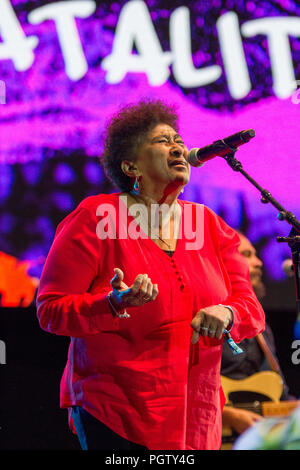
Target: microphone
[288,267]
[196,157]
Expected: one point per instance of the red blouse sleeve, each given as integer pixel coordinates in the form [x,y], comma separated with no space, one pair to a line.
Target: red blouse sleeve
[64,305]
[249,317]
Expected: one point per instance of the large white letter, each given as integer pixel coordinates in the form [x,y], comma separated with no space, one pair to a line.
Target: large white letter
[138,228]
[183,68]
[233,56]
[106,227]
[64,13]
[135,27]
[277,31]
[15,46]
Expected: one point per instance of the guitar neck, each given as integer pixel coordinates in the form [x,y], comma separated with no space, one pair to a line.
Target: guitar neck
[268,408]
[282,408]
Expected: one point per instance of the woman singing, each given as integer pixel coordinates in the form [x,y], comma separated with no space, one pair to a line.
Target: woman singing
[145,285]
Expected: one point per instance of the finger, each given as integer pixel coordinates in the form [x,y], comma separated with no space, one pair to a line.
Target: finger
[136,284]
[119,273]
[212,329]
[203,326]
[149,290]
[143,287]
[211,332]
[195,337]
[219,331]
[145,291]
[198,321]
[203,330]
[154,292]
[117,279]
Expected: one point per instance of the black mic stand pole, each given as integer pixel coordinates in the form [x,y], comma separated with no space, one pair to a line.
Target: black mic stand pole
[293,239]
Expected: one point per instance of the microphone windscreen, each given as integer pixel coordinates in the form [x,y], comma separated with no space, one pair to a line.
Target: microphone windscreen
[193,158]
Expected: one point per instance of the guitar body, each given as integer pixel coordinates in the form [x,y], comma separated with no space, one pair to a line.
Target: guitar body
[266,383]
[266,389]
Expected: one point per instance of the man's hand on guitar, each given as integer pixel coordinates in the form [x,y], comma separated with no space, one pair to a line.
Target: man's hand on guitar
[238,419]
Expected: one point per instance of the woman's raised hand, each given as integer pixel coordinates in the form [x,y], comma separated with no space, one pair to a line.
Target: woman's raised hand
[140,292]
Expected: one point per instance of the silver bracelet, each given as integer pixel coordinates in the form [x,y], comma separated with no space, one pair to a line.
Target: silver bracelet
[120,315]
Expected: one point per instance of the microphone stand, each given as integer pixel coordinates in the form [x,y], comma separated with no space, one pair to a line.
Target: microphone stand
[293,239]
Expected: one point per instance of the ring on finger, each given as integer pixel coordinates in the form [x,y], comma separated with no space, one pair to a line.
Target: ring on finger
[204,328]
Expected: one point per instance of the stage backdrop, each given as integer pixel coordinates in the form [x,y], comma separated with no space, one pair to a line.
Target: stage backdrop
[65,67]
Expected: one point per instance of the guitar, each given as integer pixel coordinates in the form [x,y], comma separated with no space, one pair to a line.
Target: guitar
[265,389]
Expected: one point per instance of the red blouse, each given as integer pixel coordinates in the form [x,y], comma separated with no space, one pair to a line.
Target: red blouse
[141,376]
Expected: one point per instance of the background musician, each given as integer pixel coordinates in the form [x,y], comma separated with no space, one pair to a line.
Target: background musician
[253,359]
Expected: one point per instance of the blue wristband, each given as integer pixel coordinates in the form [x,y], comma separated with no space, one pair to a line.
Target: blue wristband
[233,346]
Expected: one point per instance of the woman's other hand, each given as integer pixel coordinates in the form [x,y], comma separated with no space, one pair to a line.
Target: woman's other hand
[211,321]
[140,292]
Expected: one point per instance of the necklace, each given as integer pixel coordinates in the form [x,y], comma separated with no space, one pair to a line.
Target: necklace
[149,227]
[162,240]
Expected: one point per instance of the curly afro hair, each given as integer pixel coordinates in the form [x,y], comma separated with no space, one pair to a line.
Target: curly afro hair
[125,132]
